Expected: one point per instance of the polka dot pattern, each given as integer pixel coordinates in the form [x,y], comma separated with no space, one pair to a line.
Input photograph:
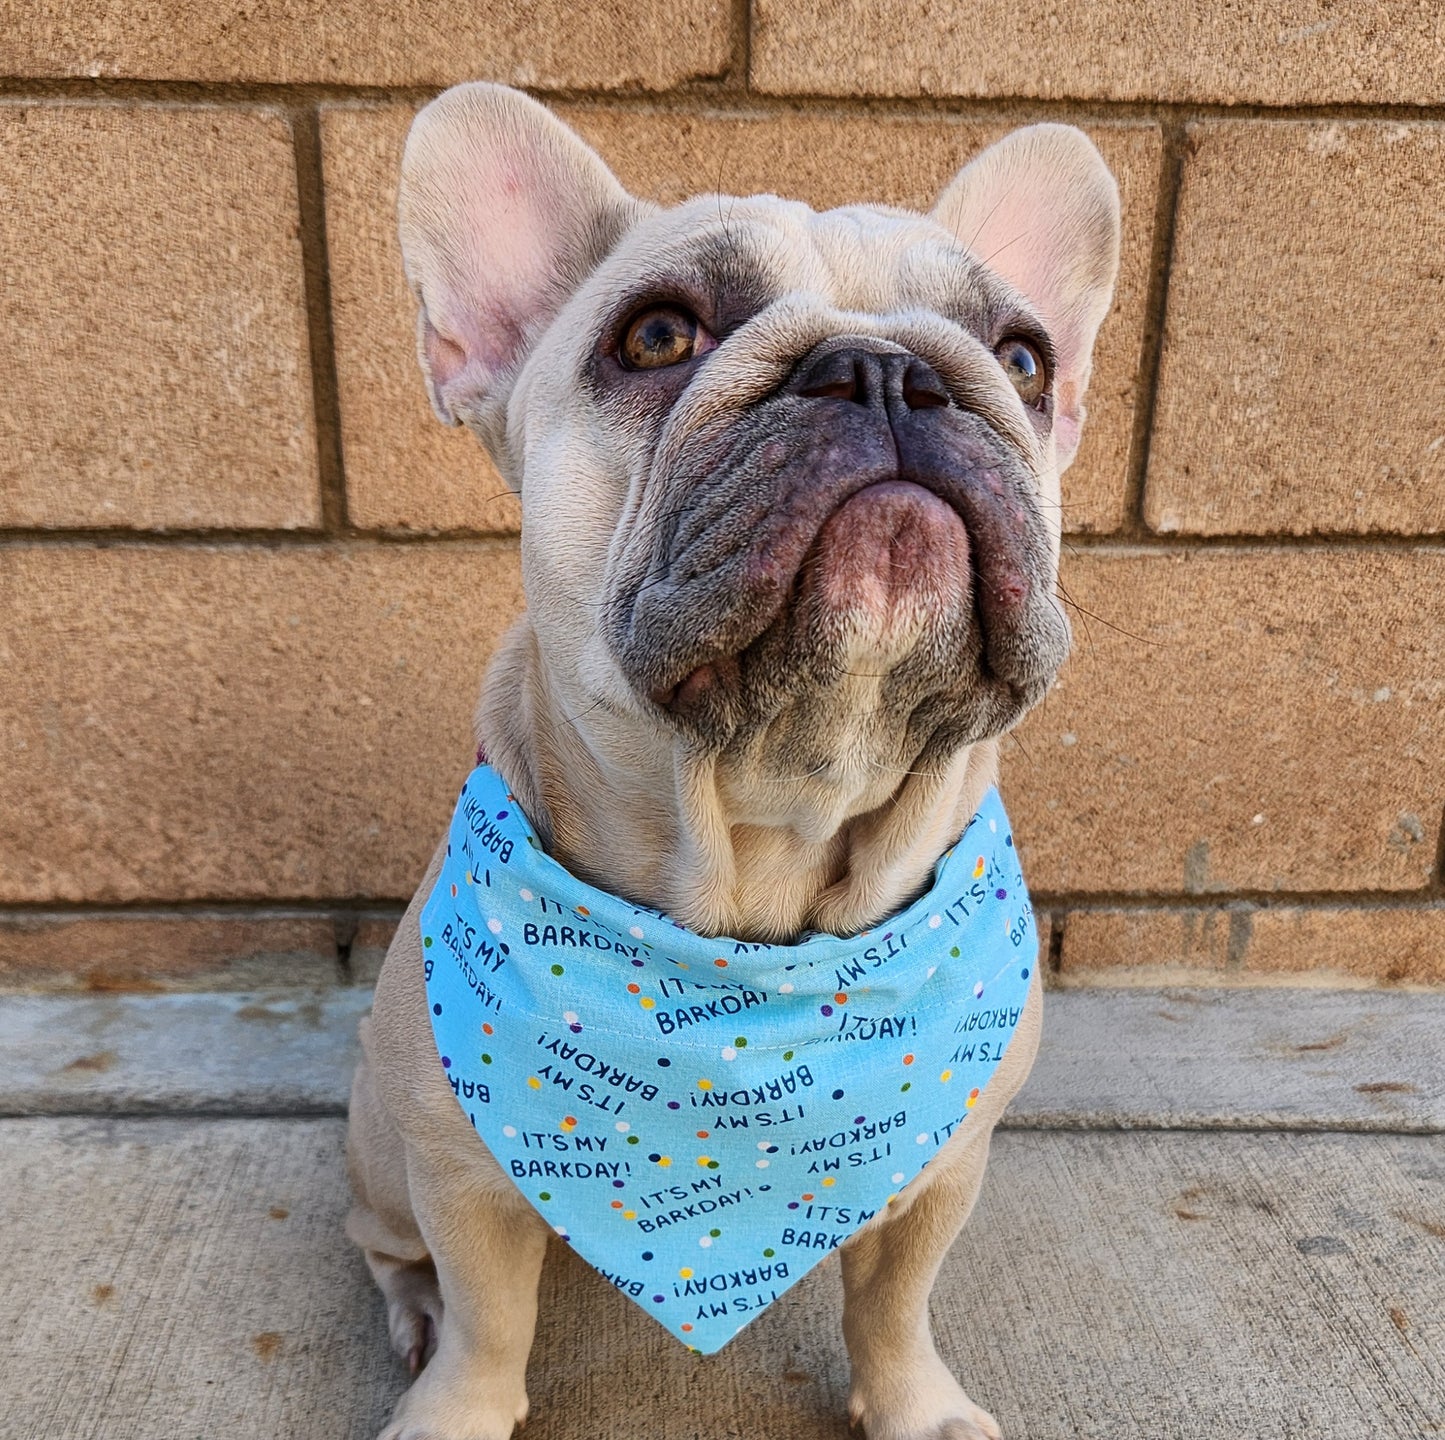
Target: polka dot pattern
[684,1110]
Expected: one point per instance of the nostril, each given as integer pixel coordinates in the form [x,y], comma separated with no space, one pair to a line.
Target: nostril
[833,377]
[922,389]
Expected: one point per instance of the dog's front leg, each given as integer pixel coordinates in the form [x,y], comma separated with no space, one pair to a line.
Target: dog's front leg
[487,1243]
[901,1390]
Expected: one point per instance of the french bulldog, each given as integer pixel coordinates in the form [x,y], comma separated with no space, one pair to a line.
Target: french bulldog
[791,524]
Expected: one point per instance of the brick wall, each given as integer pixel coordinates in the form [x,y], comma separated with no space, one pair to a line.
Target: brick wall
[227,519]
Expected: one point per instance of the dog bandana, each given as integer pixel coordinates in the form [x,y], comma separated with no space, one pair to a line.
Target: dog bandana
[703,1120]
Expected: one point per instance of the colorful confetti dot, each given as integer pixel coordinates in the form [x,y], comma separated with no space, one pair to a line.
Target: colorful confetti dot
[510,1131]
[704,1084]
[978,868]
[922,1137]
[720,963]
[486,1029]
[898,1178]
[583,911]
[494,925]
[686,1328]
[978,990]
[525,894]
[934,921]
[454,892]
[426,941]
[544,1195]
[446,1062]
[663,1061]
[685,1273]
[972,1099]
[436,1009]
[703,1134]
[762,1164]
[705,1241]
[829,1181]
[570,1016]
[808,1196]
[741,1041]
[632,1140]
[837,1094]
[786,988]
[629,1214]
[617,1204]
[634,988]
[557,970]
[486,1059]
[826,1009]
[946,1076]
[728,1053]
[769,1253]
[647,1002]
[905,1086]
[908,1059]
[704,1160]
[535,1083]
[636,932]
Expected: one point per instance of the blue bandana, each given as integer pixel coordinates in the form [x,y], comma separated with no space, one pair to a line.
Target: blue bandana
[703,1120]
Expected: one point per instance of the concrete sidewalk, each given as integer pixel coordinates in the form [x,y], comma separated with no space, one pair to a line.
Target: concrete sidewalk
[1213,1214]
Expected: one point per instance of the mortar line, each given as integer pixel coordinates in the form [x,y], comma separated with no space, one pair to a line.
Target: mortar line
[1437,885]
[315,265]
[1151,348]
[745,14]
[705,93]
[1059,904]
[1114,543]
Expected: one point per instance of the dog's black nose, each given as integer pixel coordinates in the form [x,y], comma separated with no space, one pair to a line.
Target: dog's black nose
[870,378]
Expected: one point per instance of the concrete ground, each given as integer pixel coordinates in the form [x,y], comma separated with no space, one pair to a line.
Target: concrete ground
[1212,1214]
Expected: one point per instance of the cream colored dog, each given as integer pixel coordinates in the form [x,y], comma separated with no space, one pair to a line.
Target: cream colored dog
[790,490]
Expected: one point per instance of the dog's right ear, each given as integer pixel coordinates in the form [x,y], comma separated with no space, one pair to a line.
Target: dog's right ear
[504,212]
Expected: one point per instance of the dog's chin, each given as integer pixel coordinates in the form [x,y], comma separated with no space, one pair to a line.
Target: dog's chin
[887,575]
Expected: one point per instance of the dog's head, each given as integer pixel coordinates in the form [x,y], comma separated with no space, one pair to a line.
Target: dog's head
[790,480]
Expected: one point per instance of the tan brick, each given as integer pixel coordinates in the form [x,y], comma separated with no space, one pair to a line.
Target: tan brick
[237,722]
[1384,943]
[1258,719]
[155,369]
[1387,944]
[403,470]
[1149,940]
[547,44]
[155,952]
[1276,52]
[1300,383]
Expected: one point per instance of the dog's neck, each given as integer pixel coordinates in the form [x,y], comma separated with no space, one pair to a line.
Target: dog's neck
[662,835]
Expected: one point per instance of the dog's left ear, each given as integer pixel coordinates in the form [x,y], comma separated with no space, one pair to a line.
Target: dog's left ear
[1041,209]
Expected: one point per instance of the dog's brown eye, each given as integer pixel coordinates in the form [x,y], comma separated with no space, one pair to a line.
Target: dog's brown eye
[1024,366]
[661,336]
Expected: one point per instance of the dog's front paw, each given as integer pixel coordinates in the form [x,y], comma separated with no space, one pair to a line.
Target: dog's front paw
[931,1405]
[437,1407]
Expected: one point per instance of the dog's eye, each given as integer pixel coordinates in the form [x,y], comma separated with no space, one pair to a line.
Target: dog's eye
[1024,367]
[662,336]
